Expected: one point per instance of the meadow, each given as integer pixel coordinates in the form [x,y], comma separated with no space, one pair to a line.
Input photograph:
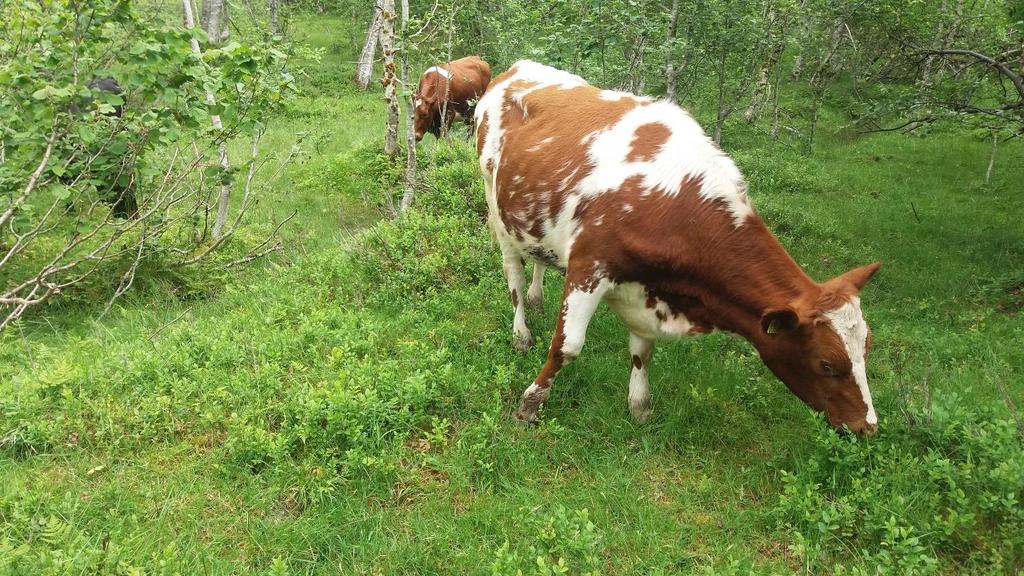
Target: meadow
[344,407]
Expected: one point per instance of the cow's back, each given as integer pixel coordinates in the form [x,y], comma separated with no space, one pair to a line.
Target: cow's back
[561,156]
[458,83]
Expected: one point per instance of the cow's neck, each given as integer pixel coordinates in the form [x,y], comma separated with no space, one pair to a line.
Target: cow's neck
[744,275]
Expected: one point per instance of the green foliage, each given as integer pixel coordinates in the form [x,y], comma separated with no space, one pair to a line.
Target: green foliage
[947,488]
[345,409]
[453,184]
[421,255]
[364,174]
[68,161]
[564,542]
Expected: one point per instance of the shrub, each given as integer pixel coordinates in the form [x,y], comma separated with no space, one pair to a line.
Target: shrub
[946,491]
[563,542]
[420,254]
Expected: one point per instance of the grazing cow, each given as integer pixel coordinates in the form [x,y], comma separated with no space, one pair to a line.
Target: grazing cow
[630,198]
[449,90]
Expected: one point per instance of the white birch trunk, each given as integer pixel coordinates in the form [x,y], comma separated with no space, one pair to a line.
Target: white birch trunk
[670,64]
[215,20]
[992,158]
[410,127]
[223,201]
[387,46]
[273,17]
[364,67]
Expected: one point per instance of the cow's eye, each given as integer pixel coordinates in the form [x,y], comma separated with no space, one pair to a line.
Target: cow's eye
[828,368]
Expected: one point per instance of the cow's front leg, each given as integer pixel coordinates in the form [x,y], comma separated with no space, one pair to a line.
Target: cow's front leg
[579,302]
[535,296]
[513,265]
[640,350]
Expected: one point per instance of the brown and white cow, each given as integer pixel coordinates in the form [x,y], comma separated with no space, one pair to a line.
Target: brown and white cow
[631,199]
[448,90]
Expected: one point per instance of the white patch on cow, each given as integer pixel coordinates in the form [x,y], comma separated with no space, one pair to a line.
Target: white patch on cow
[517,179]
[687,154]
[639,391]
[564,182]
[849,324]
[577,309]
[613,96]
[444,73]
[627,208]
[536,147]
[599,220]
[629,300]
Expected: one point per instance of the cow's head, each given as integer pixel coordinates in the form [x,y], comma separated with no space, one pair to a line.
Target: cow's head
[424,115]
[818,349]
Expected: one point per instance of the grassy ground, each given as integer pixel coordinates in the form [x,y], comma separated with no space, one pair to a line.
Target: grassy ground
[344,408]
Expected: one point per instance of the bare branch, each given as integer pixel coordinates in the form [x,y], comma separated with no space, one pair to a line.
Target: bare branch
[34,178]
[1015,78]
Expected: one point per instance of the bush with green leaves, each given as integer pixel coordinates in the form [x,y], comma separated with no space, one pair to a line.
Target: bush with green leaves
[945,491]
[565,542]
[66,157]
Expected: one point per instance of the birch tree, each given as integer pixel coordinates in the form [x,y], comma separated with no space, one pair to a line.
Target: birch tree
[224,198]
[670,69]
[364,66]
[214,19]
[410,112]
[387,45]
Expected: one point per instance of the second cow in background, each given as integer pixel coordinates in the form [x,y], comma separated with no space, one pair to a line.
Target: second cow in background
[447,90]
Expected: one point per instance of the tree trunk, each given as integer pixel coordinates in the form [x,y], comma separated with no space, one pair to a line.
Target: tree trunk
[410,112]
[215,20]
[720,117]
[273,17]
[225,190]
[670,67]
[775,102]
[387,46]
[992,159]
[763,88]
[823,64]
[364,67]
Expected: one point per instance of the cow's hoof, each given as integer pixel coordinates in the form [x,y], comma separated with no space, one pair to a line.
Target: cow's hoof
[640,408]
[523,342]
[526,419]
[532,398]
[535,301]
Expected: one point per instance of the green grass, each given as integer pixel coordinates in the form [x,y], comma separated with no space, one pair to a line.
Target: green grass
[344,408]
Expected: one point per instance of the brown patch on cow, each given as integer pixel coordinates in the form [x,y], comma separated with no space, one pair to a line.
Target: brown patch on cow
[481,135]
[526,205]
[647,142]
[515,298]
[637,362]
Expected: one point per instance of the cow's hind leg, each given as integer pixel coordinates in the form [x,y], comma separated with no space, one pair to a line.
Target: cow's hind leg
[535,296]
[640,351]
[579,301]
[513,266]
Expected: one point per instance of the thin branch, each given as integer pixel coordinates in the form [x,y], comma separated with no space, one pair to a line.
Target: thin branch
[34,178]
[1016,79]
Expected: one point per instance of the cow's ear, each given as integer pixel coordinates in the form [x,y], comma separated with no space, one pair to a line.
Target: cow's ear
[858,277]
[779,321]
